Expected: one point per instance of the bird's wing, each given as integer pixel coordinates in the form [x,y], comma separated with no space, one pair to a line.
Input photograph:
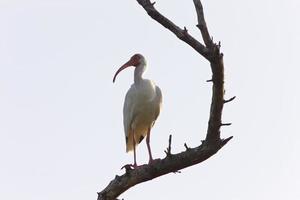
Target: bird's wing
[128,110]
[158,100]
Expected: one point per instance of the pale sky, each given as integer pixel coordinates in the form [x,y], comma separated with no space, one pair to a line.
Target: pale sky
[61,131]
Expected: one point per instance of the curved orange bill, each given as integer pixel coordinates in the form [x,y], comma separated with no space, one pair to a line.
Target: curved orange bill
[128,64]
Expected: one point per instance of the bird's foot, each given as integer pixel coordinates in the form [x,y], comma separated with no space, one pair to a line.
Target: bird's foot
[129,167]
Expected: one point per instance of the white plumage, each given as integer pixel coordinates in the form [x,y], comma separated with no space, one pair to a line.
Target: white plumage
[141,107]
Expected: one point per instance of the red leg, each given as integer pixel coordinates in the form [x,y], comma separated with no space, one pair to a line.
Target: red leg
[134,153]
[148,145]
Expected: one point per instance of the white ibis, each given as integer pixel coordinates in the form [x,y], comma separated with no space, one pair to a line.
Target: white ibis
[141,107]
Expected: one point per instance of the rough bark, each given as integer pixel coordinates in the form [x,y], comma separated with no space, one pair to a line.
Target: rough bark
[212,143]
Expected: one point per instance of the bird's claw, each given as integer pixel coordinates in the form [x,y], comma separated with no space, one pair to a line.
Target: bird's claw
[129,167]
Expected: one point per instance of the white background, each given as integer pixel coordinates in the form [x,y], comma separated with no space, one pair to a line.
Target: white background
[61,132]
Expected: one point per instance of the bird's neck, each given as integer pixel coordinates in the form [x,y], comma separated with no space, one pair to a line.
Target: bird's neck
[138,73]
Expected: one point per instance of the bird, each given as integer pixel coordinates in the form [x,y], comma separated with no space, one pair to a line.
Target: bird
[141,108]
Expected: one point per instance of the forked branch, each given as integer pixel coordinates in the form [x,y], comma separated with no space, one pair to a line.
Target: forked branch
[182,34]
[212,143]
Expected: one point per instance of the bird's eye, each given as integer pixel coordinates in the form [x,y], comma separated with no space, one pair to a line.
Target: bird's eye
[136,58]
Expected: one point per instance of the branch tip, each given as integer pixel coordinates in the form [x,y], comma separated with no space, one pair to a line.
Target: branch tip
[186,147]
[168,151]
[185,31]
[226,124]
[202,24]
[229,100]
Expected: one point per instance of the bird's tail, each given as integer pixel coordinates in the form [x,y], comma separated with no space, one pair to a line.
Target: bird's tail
[129,147]
[129,142]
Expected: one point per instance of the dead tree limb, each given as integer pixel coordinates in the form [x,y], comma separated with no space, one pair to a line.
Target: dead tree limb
[212,143]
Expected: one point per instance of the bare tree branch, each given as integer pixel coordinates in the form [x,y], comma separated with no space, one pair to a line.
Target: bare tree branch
[212,143]
[202,24]
[229,100]
[180,33]
[161,167]
[168,151]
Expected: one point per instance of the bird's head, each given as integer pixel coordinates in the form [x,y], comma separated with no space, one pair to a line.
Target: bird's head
[135,61]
